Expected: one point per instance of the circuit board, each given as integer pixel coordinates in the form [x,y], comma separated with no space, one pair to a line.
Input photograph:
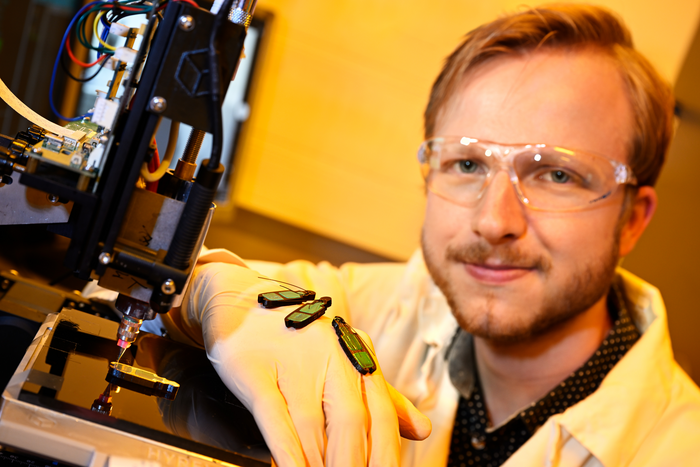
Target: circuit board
[72,152]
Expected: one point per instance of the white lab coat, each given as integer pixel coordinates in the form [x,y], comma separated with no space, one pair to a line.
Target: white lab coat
[646,412]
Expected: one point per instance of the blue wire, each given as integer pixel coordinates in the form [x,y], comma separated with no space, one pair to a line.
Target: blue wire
[58,57]
[105,32]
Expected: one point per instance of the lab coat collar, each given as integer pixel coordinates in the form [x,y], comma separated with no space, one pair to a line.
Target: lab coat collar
[612,423]
[614,436]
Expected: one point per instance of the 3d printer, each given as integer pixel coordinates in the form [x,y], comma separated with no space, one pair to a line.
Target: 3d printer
[134,226]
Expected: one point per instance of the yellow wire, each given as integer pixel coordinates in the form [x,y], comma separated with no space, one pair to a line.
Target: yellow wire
[167,158]
[94,30]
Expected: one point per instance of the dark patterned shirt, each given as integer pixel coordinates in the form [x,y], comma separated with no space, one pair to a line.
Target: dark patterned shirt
[476,443]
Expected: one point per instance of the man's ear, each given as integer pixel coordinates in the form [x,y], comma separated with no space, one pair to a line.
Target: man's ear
[636,218]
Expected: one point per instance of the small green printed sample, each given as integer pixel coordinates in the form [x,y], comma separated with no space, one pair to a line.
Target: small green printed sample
[285,297]
[307,313]
[354,347]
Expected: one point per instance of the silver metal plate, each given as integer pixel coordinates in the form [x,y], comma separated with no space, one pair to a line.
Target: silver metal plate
[20,204]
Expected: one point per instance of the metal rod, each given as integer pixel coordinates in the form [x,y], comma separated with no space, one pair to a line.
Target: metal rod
[194,142]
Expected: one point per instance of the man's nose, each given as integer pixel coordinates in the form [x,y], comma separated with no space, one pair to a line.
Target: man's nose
[500,216]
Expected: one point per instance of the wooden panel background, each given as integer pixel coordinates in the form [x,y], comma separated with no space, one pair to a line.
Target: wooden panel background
[337,108]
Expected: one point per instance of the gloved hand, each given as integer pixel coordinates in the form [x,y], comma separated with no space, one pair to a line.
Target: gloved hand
[311,405]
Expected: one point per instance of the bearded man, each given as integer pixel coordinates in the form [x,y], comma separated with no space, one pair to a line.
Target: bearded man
[513,330]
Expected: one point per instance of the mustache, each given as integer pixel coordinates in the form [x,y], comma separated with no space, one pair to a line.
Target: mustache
[481,252]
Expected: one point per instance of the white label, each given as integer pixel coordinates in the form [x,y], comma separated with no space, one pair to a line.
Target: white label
[116,461]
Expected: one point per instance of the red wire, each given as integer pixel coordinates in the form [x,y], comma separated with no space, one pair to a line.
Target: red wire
[123,7]
[127,8]
[190,2]
[83,64]
[153,165]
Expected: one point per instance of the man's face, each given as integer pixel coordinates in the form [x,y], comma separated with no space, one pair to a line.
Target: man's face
[510,272]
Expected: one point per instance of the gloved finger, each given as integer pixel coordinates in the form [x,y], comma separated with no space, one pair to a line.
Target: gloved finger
[346,414]
[258,391]
[302,387]
[412,423]
[384,440]
[309,423]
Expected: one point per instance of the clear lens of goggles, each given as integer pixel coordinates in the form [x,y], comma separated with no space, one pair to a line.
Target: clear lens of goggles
[548,178]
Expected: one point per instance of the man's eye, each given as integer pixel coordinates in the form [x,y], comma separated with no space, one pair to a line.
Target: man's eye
[466,166]
[559,176]
[556,176]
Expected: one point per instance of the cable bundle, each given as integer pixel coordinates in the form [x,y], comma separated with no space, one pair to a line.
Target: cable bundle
[105,13]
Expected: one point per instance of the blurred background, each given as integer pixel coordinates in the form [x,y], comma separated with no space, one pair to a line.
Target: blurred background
[324,122]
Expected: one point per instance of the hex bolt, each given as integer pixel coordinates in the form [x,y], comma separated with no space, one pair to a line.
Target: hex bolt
[105,258]
[157,104]
[168,287]
[186,22]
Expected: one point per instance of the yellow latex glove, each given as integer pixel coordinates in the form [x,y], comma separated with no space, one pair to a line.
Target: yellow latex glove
[311,405]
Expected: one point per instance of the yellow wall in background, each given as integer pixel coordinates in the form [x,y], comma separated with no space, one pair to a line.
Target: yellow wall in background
[337,102]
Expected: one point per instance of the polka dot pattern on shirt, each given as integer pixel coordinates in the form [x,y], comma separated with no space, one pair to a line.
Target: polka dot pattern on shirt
[475,444]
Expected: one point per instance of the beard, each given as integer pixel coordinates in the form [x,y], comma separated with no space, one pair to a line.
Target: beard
[561,300]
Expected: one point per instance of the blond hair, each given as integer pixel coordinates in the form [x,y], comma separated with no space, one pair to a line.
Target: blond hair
[571,26]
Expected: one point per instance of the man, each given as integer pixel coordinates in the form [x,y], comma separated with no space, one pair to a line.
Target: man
[550,355]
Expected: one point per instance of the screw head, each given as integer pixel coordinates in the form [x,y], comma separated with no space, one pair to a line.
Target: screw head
[168,287]
[157,104]
[36,150]
[53,199]
[104,139]
[105,258]
[186,22]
